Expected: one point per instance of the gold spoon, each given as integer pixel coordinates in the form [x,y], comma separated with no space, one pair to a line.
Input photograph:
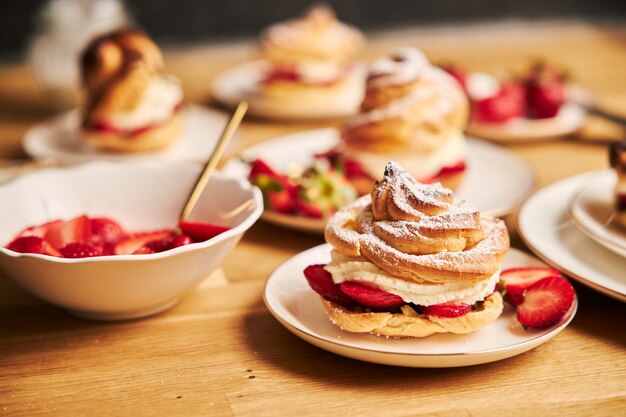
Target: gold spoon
[214,159]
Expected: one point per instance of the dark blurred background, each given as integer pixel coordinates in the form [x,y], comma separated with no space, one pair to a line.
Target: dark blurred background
[195,21]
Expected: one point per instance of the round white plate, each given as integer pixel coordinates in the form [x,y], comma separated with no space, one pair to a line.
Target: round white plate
[242,83]
[297,307]
[59,139]
[496,181]
[545,226]
[569,119]
[593,209]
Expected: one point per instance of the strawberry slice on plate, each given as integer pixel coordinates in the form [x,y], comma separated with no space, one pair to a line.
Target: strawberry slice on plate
[447,310]
[321,281]
[509,103]
[32,244]
[370,296]
[199,231]
[546,302]
[134,242]
[61,233]
[516,280]
[79,250]
[167,243]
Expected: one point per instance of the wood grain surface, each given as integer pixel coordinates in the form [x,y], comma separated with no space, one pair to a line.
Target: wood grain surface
[220,353]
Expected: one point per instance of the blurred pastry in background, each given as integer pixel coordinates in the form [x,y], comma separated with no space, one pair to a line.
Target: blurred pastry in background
[311,63]
[618,162]
[413,113]
[130,103]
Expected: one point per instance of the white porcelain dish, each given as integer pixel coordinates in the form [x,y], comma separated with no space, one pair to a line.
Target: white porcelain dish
[59,139]
[141,196]
[496,181]
[570,118]
[242,83]
[593,210]
[292,302]
[546,227]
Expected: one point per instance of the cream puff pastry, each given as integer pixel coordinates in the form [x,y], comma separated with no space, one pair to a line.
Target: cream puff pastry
[413,113]
[410,260]
[130,103]
[311,64]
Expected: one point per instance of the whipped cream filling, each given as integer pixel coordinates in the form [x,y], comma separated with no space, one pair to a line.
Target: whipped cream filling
[320,72]
[421,166]
[157,104]
[345,268]
[481,85]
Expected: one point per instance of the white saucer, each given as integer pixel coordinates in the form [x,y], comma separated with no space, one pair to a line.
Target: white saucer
[545,226]
[569,119]
[496,181]
[294,304]
[59,139]
[592,209]
[242,83]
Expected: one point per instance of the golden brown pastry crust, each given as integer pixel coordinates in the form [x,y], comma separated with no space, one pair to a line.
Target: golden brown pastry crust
[409,323]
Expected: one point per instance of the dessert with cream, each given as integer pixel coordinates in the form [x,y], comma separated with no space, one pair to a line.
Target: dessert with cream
[311,63]
[85,237]
[130,103]
[618,162]
[413,113]
[410,260]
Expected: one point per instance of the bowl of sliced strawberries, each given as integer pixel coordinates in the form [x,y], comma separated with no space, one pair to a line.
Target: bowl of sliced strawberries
[103,240]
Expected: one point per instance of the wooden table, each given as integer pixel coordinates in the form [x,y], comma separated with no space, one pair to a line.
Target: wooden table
[220,352]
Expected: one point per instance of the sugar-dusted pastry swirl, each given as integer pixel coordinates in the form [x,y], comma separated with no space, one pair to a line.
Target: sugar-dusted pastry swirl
[117,68]
[317,35]
[419,232]
[409,105]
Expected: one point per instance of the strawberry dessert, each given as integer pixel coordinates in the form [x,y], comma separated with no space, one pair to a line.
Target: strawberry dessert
[538,94]
[317,191]
[85,237]
[541,296]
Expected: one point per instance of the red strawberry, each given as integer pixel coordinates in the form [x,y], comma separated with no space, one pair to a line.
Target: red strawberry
[322,283]
[370,296]
[516,280]
[544,100]
[61,233]
[545,302]
[280,201]
[309,209]
[136,241]
[167,243]
[32,244]
[106,233]
[39,231]
[143,251]
[79,250]
[506,105]
[447,310]
[282,74]
[199,231]
[258,167]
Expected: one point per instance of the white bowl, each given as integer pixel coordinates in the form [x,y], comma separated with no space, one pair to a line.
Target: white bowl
[141,196]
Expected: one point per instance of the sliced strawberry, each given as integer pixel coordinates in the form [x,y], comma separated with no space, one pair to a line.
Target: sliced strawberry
[39,231]
[322,283]
[281,201]
[105,234]
[167,243]
[32,244]
[309,209]
[199,231]
[79,250]
[516,280]
[447,310]
[544,100]
[143,251]
[546,302]
[504,106]
[282,74]
[61,233]
[259,167]
[370,296]
[138,240]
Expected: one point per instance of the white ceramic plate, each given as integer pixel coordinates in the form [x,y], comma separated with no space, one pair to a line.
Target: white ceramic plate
[592,209]
[290,299]
[242,83]
[545,226]
[59,139]
[569,119]
[496,181]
